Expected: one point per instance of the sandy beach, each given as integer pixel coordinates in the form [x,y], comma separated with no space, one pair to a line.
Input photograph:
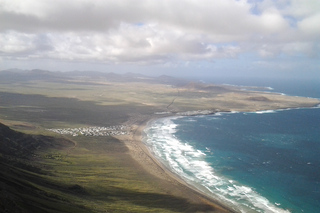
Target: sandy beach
[169,181]
[120,171]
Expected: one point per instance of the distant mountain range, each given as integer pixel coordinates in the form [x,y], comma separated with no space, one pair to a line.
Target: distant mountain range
[18,75]
[93,77]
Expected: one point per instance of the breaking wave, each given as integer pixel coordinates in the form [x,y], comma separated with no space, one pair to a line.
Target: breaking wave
[189,163]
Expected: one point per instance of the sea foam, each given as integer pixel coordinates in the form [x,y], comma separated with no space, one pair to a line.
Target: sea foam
[265,111]
[189,163]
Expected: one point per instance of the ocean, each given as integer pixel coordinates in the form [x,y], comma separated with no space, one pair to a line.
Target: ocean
[264,161]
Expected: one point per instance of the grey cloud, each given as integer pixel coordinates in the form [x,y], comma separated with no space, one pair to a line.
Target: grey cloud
[219,17]
[154,31]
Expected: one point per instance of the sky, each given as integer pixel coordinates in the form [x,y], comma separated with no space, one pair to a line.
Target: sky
[178,37]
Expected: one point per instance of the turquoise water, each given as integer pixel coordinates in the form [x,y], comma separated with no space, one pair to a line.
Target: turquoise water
[254,162]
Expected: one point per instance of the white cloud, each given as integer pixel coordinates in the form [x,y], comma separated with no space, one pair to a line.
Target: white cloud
[301,9]
[13,42]
[310,26]
[157,31]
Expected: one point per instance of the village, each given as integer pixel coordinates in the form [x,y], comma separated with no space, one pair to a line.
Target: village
[93,131]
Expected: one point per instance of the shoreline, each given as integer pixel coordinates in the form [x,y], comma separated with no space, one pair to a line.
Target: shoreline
[141,153]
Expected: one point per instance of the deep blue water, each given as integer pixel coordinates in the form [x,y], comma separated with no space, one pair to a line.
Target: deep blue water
[254,162]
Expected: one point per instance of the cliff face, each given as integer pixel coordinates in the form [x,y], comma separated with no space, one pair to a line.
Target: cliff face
[23,187]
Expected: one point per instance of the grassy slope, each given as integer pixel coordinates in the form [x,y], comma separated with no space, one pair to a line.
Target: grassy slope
[22,186]
[90,175]
[104,168]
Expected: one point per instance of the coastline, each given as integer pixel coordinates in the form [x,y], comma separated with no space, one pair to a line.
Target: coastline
[141,153]
[136,166]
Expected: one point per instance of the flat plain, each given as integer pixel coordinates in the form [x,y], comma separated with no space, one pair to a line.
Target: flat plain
[105,173]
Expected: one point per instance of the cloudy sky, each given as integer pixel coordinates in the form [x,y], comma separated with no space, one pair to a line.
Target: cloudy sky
[213,37]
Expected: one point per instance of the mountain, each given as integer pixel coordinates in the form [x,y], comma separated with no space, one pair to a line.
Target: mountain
[16,75]
[23,187]
[80,77]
